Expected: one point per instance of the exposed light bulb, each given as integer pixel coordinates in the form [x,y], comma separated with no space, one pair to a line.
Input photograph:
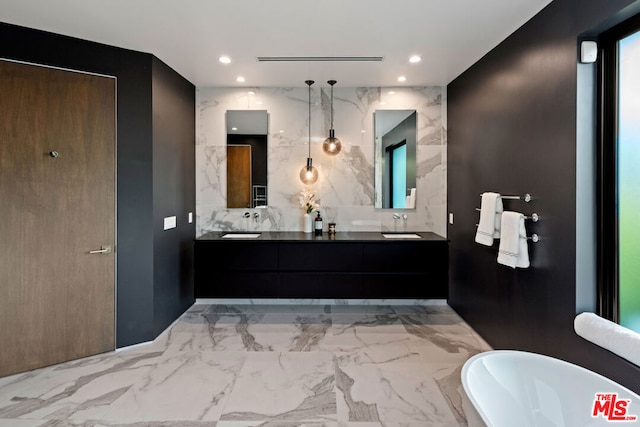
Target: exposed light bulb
[308,173]
[332,145]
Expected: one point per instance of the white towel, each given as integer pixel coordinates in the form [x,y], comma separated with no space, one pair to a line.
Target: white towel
[411,199]
[605,333]
[513,250]
[490,216]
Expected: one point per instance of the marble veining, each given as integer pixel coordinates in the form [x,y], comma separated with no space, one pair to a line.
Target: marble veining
[346,183]
[247,364]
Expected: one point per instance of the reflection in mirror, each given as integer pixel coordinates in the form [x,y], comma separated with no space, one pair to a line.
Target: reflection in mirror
[247,132]
[395,158]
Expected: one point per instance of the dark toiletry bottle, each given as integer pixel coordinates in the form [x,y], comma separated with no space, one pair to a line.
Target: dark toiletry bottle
[318,225]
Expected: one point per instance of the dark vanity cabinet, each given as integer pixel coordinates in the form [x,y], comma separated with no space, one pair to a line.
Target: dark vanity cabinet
[406,269]
[239,268]
[297,265]
[327,270]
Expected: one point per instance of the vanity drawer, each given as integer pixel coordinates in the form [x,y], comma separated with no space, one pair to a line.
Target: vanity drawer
[320,285]
[238,285]
[421,257]
[404,285]
[236,256]
[320,256]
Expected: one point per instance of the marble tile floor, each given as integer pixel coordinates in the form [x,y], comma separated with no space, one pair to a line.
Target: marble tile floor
[263,365]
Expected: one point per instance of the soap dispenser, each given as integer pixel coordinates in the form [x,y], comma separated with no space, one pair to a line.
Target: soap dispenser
[318,225]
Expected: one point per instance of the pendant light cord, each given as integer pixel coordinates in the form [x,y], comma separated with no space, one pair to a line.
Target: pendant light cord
[332,82]
[309,120]
[332,106]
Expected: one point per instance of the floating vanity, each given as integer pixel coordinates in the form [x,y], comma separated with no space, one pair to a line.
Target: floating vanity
[299,265]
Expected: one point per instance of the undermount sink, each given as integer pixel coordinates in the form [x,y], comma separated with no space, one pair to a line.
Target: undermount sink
[401,236]
[241,235]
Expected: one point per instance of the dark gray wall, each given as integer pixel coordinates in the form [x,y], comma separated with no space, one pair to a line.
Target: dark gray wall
[136,320]
[512,128]
[174,157]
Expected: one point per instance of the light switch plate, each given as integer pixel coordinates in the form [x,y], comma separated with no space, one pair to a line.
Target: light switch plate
[451,218]
[169,222]
[190,217]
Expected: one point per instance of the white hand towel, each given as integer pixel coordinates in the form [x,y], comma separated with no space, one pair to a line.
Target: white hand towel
[490,216]
[412,199]
[513,250]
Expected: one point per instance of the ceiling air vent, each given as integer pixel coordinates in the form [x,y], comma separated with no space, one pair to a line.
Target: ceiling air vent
[319,58]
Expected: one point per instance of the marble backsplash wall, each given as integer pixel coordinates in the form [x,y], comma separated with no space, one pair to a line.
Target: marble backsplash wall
[345,188]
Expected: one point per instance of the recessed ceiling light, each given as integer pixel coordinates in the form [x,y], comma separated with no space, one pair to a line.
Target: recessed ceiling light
[224,59]
[402,79]
[363,131]
[281,131]
[251,92]
[391,92]
[259,102]
[383,103]
[415,58]
[240,79]
[234,128]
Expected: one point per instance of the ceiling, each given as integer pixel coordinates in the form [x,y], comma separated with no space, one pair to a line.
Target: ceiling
[190,35]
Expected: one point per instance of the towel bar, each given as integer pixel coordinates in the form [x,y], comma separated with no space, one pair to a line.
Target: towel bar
[527,197]
[534,216]
[534,237]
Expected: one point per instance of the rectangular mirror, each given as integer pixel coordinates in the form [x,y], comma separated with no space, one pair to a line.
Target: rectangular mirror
[395,133]
[247,132]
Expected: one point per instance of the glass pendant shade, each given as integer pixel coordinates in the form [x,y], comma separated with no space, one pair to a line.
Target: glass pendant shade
[308,174]
[332,145]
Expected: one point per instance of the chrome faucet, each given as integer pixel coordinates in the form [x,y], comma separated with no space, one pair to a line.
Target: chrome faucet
[256,216]
[404,221]
[396,217]
[246,215]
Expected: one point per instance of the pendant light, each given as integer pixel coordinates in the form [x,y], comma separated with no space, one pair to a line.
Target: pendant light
[332,145]
[309,174]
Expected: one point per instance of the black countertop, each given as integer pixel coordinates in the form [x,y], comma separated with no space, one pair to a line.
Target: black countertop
[342,236]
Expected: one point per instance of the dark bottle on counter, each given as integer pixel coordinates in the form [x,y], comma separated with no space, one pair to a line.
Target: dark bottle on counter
[318,225]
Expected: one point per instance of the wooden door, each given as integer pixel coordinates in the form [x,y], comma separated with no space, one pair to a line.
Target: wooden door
[57,203]
[238,176]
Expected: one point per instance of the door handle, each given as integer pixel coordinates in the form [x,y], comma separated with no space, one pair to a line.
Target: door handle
[105,249]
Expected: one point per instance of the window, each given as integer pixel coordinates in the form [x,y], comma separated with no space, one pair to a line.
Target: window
[397,155]
[619,245]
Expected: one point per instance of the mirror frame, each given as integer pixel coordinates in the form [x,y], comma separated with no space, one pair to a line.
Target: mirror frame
[248,128]
[394,128]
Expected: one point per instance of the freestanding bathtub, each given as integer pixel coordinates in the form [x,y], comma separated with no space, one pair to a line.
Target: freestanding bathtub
[517,388]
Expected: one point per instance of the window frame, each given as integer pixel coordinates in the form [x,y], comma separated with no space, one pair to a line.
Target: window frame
[608,295]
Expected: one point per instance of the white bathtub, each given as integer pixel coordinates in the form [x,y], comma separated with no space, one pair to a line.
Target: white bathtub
[516,388]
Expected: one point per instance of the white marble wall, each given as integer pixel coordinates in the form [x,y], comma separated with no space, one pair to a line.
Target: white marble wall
[345,187]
